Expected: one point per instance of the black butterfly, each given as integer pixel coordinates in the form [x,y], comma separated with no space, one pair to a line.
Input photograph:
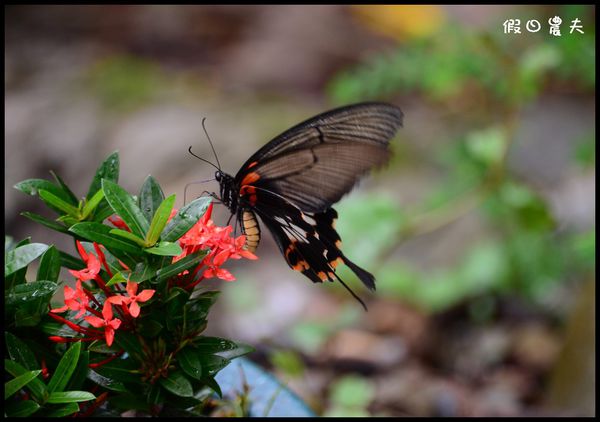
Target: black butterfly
[292,182]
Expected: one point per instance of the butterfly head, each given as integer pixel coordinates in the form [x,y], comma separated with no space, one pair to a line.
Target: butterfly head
[227,188]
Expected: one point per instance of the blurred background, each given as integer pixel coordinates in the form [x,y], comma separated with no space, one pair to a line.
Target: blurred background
[480,231]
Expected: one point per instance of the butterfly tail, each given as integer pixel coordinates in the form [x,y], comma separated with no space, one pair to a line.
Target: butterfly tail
[366,277]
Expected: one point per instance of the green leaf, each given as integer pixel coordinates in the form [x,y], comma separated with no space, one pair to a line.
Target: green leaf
[14,385]
[49,265]
[185,218]
[103,211]
[211,383]
[177,384]
[20,352]
[92,203]
[211,364]
[33,186]
[66,410]
[223,347]
[109,170]
[151,196]
[117,278]
[107,382]
[181,265]
[70,397]
[32,291]
[46,222]
[72,198]
[64,370]
[189,362]
[124,205]
[71,262]
[488,146]
[56,202]
[142,272]
[101,234]
[352,391]
[21,409]
[165,249]
[128,235]
[160,220]
[81,371]
[124,370]
[37,387]
[20,257]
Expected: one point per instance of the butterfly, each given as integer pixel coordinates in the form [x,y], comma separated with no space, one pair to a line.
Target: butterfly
[292,182]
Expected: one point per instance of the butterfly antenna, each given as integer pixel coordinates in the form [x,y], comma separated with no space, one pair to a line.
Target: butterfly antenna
[352,293]
[210,142]
[194,183]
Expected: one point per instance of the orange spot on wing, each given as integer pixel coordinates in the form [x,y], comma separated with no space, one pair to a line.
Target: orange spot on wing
[335,263]
[247,189]
[322,275]
[250,178]
[301,265]
[252,164]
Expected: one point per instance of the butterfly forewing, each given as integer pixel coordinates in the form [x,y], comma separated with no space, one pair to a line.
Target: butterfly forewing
[374,123]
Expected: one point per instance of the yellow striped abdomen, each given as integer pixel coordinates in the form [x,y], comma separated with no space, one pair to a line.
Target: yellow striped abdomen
[251,229]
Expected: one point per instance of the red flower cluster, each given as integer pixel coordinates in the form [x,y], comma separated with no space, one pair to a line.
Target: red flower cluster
[223,246]
[78,299]
[203,235]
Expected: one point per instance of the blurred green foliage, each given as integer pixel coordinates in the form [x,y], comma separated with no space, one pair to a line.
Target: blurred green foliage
[522,249]
[350,396]
[487,64]
[124,83]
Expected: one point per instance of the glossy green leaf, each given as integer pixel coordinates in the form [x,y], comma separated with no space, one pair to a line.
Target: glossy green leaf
[223,347]
[160,220]
[106,382]
[46,222]
[124,370]
[92,203]
[20,257]
[165,249]
[211,364]
[66,410]
[80,372]
[14,385]
[20,352]
[151,196]
[70,396]
[32,291]
[64,370]
[177,384]
[21,409]
[71,196]
[189,362]
[181,265]
[37,387]
[33,186]
[103,211]
[128,235]
[49,268]
[58,203]
[124,205]
[117,278]
[212,383]
[143,272]
[101,234]
[70,261]
[185,218]
[109,170]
